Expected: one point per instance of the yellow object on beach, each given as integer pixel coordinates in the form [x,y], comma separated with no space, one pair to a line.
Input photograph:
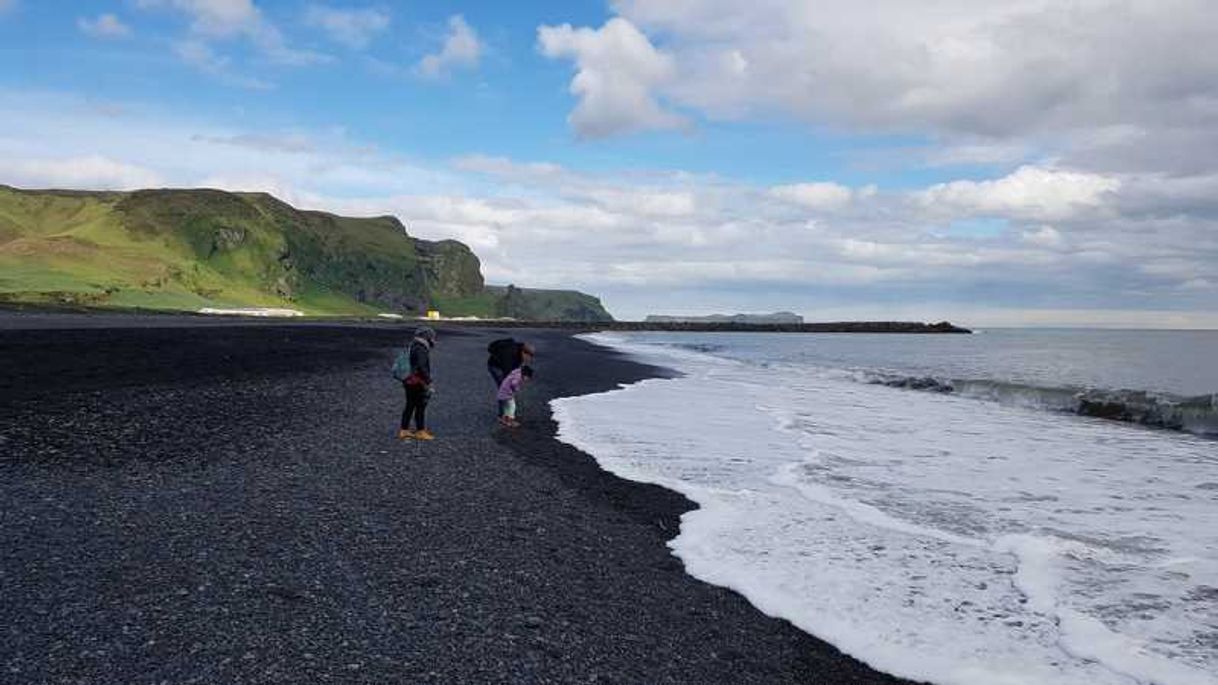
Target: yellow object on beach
[433,313]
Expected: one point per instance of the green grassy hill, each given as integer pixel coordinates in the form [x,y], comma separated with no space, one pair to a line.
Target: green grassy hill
[188,249]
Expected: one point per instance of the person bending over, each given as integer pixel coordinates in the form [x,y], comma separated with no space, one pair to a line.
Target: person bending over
[506,355]
[418,384]
[512,384]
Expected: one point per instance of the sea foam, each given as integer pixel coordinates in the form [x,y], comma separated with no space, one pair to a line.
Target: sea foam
[932,536]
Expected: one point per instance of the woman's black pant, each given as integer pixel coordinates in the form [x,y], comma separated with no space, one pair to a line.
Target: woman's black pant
[416,405]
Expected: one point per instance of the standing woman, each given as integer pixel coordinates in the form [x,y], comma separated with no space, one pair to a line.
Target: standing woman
[418,386]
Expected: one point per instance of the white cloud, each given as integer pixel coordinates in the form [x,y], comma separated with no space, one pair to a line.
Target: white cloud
[461,50]
[276,50]
[214,18]
[509,170]
[966,152]
[214,21]
[355,28]
[1171,195]
[618,72]
[814,195]
[1029,192]
[959,65]
[104,26]
[93,172]
[201,56]
[898,238]
[1045,236]
[989,80]
[646,202]
[1200,284]
[265,142]
[656,197]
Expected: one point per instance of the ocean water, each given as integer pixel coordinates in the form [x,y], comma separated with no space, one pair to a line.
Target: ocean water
[1013,507]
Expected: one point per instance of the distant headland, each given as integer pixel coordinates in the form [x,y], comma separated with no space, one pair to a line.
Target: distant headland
[782,318]
[203,250]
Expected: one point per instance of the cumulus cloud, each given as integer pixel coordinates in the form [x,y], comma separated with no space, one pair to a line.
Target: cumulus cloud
[1030,192]
[355,28]
[714,239]
[618,74]
[988,79]
[821,195]
[104,26]
[959,65]
[461,50]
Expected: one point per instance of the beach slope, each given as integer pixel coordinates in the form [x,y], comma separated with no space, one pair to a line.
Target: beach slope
[193,501]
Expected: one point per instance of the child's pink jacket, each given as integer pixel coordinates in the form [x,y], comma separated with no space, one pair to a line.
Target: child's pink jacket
[510,385]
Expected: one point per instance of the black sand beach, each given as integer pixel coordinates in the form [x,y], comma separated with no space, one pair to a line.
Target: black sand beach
[189,501]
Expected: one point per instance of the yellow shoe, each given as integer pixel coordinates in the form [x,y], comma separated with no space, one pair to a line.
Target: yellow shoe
[404,434]
[424,435]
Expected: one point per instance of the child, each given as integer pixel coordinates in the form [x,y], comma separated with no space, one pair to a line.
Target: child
[511,385]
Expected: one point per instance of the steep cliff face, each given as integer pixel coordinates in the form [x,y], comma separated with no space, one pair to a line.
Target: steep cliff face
[183,249]
[374,260]
[449,268]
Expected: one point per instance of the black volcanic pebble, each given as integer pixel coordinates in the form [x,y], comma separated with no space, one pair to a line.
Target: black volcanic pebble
[200,503]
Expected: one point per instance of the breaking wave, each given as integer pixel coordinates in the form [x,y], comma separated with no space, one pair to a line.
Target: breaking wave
[1197,415]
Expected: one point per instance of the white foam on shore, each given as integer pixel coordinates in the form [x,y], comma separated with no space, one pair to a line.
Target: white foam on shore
[933,537]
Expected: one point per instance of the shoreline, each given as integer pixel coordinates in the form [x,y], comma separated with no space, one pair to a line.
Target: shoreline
[162,316]
[281,535]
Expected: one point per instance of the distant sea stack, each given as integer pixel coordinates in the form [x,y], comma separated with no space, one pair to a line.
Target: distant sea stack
[777,318]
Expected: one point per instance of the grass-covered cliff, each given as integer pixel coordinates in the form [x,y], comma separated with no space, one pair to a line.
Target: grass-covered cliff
[189,249]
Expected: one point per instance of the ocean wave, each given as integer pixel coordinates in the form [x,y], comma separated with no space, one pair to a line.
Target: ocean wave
[704,348]
[941,539]
[1197,415]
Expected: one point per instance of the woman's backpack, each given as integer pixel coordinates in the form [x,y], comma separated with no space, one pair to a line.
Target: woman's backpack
[401,366]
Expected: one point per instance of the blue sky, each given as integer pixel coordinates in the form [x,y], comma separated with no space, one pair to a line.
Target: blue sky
[987,162]
[460,114]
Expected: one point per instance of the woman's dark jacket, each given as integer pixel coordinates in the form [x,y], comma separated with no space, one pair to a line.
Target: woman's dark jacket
[420,360]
